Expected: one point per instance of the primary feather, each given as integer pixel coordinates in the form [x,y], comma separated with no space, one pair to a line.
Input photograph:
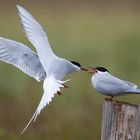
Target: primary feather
[22,57]
[37,36]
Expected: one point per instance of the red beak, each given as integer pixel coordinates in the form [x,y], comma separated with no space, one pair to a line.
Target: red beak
[84,69]
[92,70]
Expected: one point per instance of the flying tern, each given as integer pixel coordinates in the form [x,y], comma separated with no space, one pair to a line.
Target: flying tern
[43,65]
[109,85]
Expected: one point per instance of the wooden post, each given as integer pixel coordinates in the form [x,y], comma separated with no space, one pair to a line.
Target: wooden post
[121,121]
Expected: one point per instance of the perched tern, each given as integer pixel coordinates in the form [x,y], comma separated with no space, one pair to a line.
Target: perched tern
[109,85]
[43,65]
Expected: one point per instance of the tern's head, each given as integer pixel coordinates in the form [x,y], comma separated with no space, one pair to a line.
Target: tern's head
[98,70]
[78,66]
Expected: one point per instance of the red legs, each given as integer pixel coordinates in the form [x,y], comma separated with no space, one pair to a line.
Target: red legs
[59,93]
[110,98]
[65,86]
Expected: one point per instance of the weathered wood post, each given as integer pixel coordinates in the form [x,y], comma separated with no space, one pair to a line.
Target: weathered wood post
[121,121]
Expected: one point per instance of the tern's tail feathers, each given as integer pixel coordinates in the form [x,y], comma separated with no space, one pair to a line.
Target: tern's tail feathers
[134,91]
[51,86]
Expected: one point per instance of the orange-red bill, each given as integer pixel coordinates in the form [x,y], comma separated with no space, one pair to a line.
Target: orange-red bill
[91,70]
[84,69]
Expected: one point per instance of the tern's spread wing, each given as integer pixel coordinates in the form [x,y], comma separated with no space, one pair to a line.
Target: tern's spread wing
[36,35]
[51,86]
[21,56]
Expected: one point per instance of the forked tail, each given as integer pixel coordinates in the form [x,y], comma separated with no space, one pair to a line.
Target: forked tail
[51,86]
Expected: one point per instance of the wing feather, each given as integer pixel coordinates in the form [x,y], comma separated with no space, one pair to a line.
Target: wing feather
[36,35]
[22,57]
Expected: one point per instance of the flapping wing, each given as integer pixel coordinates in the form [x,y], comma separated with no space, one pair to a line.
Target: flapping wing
[36,35]
[22,57]
[51,86]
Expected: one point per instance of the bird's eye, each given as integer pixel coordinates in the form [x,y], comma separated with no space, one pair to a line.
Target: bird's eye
[96,70]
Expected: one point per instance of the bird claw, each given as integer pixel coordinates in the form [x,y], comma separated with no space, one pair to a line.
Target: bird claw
[59,93]
[65,86]
[110,98]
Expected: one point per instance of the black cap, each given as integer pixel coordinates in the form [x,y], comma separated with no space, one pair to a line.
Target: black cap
[75,63]
[101,69]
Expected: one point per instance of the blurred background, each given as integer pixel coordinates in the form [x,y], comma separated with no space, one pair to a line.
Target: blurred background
[94,33]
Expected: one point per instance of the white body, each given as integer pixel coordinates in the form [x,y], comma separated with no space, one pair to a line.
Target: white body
[44,65]
[109,85]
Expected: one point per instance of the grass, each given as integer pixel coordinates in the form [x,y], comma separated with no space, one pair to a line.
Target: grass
[108,40]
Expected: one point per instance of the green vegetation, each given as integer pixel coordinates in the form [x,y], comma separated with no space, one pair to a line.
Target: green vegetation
[109,40]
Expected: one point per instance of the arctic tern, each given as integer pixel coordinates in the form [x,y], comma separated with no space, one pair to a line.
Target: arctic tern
[109,85]
[43,65]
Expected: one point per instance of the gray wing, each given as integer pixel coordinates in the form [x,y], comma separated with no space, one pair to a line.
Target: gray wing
[131,84]
[37,36]
[111,85]
[22,57]
[121,85]
[118,82]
